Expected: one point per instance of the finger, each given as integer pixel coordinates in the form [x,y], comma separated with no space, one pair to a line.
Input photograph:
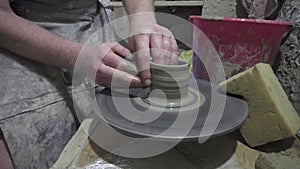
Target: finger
[121,51]
[113,60]
[143,58]
[131,43]
[167,49]
[110,77]
[174,51]
[174,46]
[156,45]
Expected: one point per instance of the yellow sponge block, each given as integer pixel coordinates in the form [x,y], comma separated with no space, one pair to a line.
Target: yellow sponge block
[271,115]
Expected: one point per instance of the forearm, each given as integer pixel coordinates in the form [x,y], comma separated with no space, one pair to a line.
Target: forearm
[136,7]
[29,40]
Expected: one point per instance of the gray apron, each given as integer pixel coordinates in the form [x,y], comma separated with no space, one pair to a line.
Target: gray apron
[36,112]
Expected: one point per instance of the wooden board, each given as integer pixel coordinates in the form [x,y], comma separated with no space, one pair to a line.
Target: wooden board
[163,3]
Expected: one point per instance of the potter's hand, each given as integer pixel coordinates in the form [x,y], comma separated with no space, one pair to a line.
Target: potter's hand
[108,61]
[150,39]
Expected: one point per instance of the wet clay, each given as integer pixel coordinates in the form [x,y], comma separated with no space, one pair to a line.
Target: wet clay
[173,80]
[170,86]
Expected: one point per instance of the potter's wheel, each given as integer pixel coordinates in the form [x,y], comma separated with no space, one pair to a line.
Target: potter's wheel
[235,113]
[193,100]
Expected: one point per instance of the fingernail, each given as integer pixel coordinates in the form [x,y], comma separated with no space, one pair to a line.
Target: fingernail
[136,82]
[148,82]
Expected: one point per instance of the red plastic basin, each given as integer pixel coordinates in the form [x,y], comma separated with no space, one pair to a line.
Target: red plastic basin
[240,43]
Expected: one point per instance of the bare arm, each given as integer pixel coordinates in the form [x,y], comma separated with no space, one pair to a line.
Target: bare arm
[137,6]
[27,39]
[33,42]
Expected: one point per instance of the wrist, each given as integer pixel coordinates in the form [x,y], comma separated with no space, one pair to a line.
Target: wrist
[73,53]
[142,18]
[140,21]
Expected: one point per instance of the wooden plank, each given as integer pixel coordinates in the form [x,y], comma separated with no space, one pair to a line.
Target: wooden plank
[74,147]
[163,3]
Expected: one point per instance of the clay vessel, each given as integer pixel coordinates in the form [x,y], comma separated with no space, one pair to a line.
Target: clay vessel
[173,80]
